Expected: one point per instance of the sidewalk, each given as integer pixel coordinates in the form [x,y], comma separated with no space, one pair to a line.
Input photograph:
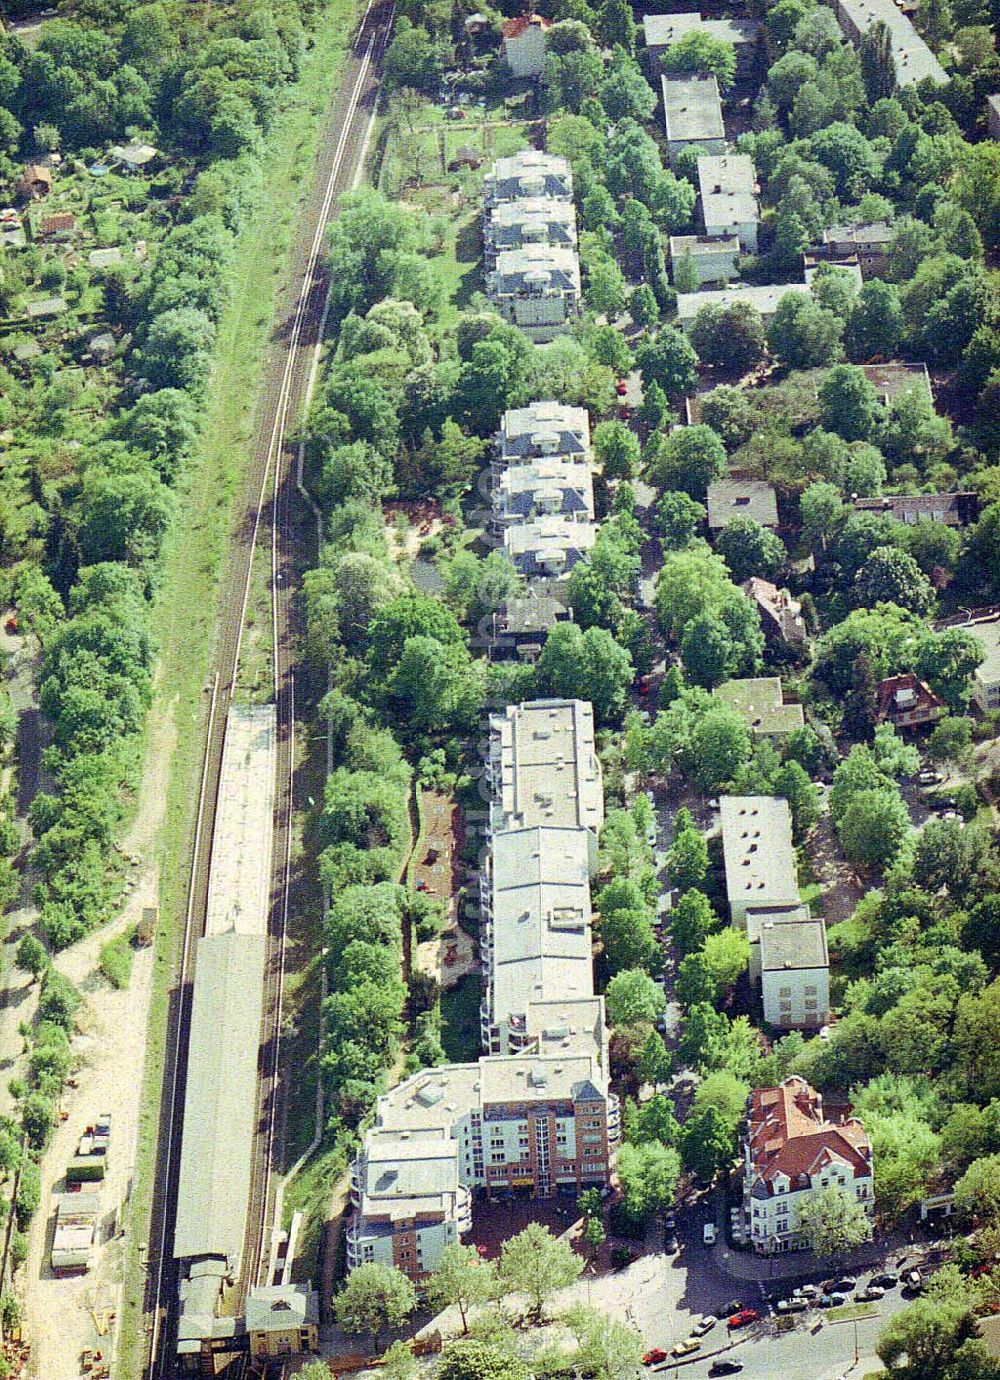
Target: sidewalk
[804,1265]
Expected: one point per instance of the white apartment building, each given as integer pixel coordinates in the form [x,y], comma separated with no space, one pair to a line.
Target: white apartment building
[523,44]
[714,260]
[543,768]
[913,59]
[528,174]
[543,488]
[692,114]
[759,854]
[537,289]
[986,676]
[661,31]
[727,184]
[529,220]
[532,1125]
[765,297]
[791,1152]
[790,962]
[535,929]
[541,431]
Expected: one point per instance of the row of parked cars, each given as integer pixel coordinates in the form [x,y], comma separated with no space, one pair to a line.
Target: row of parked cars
[832,1293]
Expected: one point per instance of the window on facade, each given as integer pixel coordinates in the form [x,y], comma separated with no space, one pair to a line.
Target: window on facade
[784,991]
[784,1006]
[810,1003]
[810,991]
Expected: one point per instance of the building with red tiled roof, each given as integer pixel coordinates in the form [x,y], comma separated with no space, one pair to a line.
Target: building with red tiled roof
[792,1152]
[907,702]
[524,42]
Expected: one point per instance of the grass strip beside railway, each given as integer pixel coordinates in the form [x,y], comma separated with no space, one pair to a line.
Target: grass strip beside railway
[186,615]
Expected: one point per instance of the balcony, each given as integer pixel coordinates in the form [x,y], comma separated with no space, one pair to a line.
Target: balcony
[463,1210]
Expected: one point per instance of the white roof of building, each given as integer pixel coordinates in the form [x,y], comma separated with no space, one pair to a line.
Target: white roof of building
[692,109]
[787,945]
[540,900]
[987,632]
[661,30]
[765,298]
[758,850]
[239,887]
[556,479]
[220,1105]
[701,245]
[527,211]
[913,59]
[529,173]
[548,770]
[544,428]
[728,184]
[537,265]
[549,538]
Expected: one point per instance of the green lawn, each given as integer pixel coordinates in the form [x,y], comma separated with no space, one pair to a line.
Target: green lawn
[852,1310]
[185,619]
[460,1035]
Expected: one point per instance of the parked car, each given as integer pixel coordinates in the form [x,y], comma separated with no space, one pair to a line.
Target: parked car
[869,1295]
[651,836]
[844,1285]
[743,1318]
[912,1283]
[670,1243]
[832,1300]
[930,778]
[733,1306]
[885,1281]
[725,1367]
[654,1356]
[708,1233]
[792,1305]
[807,1291]
[621,387]
[669,1221]
[686,1347]
[704,1325]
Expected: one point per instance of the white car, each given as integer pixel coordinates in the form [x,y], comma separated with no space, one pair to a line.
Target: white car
[705,1325]
[708,1234]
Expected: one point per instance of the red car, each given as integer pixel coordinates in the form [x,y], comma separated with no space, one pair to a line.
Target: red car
[645,685]
[743,1317]
[621,388]
[654,1357]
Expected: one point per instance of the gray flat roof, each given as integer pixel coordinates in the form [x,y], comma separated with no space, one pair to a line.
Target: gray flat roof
[758,850]
[913,59]
[988,634]
[692,109]
[239,886]
[703,244]
[789,944]
[765,297]
[220,1105]
[733,498]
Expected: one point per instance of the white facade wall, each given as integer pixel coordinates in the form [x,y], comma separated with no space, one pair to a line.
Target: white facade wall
[797,997]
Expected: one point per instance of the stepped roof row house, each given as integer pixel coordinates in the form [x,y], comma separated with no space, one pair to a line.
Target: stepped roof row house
[660,31]
[533,270]
[543,488]
[534,1115]
[792,1151]
[788,950]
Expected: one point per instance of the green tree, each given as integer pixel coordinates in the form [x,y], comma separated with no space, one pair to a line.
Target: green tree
[373,1298]
[463,1279]
[537,1264]
[32,956]
[873,827]
[849,403]
[708,1143]
[687,860]
[476,1359]
[890,576]
[691,921]
[802,334]
[702,52]
[721,746]
[689,460]
[878,66]
[749,548]
[678,517]
[876,325]
[616,449]
[586,665]
[833,1222]
[726,955]
[731,337]
[951,740]
[932,1339]
[670,360]
[648,1175]
[633,997]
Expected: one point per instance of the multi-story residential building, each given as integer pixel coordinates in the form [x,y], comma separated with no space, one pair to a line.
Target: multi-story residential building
[541,430]
[523,44]
[522,623]
[780,615]
[692,114]
[741,498]
[528,174]
[529,220]
[714,260]
[662,30]
[954,510]
[542,488]
[912,58]
[986,676]
[535,1125]
[759,701]
[790,962]
[868,243]
[727,184]
[548,547]
[906,701]
[764,297]
[535,929]
[543,769]
[759,854]
[791,1152]
[536,288]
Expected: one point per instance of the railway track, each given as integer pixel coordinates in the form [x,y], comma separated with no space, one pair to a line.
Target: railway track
[268,509]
